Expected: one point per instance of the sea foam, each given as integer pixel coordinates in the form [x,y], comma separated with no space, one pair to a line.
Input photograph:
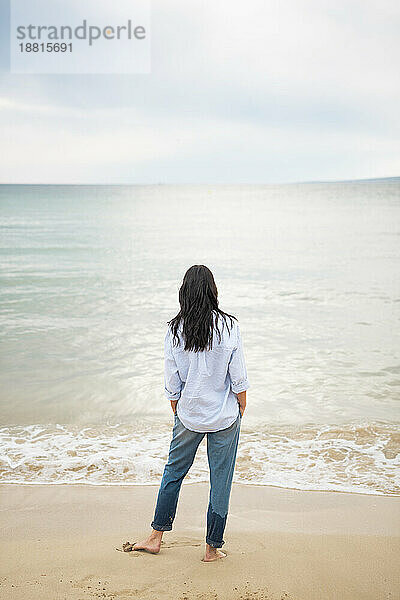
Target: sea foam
[357,457]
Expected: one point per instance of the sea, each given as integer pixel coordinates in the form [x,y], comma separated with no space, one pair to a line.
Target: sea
[89,277]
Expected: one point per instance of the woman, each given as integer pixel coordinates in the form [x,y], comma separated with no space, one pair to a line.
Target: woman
[206,381]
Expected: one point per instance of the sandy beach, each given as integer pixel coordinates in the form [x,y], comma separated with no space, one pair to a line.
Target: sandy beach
[60,542]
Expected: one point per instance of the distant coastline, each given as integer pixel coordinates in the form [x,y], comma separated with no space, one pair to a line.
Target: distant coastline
[160,183]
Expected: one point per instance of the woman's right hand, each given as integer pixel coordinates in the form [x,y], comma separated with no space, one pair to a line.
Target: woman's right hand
[241,397]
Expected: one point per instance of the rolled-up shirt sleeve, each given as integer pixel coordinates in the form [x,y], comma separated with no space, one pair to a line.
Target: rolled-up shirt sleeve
[237,367]
[172,381]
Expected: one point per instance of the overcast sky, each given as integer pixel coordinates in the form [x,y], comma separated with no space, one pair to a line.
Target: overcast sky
[240,92]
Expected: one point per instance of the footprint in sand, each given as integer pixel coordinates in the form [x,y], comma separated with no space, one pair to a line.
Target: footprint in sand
[180,542]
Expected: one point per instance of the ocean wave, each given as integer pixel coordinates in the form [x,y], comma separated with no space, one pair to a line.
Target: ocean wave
[357,457]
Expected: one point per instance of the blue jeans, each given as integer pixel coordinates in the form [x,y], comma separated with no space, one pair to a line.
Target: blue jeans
[221,451]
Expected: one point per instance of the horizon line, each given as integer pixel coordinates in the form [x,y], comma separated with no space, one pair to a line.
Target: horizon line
[161,183]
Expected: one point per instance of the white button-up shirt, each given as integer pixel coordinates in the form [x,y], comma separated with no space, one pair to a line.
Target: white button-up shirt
[206,383]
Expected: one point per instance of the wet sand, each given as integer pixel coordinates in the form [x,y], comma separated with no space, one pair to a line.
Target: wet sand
[60,542]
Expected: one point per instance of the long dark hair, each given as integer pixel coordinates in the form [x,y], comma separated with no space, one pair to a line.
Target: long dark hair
[198,297]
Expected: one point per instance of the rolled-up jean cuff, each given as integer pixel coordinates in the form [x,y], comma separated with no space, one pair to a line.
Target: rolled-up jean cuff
[214,544]
[167,527]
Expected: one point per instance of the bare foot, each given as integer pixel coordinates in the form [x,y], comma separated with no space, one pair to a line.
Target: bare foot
[213,554]
[152,544]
